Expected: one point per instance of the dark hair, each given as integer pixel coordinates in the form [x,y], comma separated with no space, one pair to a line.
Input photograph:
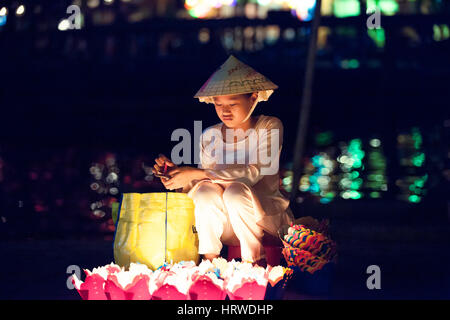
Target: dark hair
[248,95]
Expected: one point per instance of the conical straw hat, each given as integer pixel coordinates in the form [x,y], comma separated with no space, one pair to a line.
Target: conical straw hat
[235,77]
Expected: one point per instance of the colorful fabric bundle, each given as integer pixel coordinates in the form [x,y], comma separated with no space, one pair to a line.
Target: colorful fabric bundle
[303,259]
[181,281]
[307,249]
[306,239]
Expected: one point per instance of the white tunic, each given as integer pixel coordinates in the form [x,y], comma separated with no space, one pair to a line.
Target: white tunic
[250,168]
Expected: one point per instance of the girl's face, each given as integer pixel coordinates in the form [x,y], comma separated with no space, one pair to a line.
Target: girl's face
[233,109]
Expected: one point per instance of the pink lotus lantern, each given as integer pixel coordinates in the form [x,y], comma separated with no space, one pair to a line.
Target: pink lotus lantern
[167,287]
[205,288]
[113,283]
[129,285]
[172,283]
[206,283]
[246,282]
[113,290]
[136,290]
[139,289]
[168,292]
[182,281]
[249,289]
[93,287]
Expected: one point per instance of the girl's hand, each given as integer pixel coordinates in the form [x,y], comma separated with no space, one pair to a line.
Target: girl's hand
[181,177]
[159,166]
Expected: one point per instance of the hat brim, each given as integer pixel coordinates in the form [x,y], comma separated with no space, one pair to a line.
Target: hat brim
[262,96]
[235,77]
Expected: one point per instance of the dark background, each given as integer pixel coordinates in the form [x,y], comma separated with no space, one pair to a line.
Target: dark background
[73,99]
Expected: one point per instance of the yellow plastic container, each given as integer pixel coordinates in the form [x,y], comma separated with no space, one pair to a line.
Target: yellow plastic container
[153,228]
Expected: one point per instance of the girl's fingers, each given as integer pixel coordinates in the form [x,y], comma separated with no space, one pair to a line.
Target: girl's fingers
[173,171]
[166,185]
[167,181]
[172,176]
[170,183]
[169,164]
[163,158]
[169,186]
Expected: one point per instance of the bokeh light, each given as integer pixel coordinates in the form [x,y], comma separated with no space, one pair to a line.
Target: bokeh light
[346,8]
[351,165]
[302,9]
[64,25]
[387,7]
[376,180]
[319,177]
[20,10]
[412,161]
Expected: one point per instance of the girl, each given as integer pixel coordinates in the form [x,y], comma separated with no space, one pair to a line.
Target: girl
[237,202]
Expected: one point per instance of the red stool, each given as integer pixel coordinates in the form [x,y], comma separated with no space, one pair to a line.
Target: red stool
[272,247]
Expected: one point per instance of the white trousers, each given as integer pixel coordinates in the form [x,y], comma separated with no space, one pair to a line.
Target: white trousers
[225,215]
